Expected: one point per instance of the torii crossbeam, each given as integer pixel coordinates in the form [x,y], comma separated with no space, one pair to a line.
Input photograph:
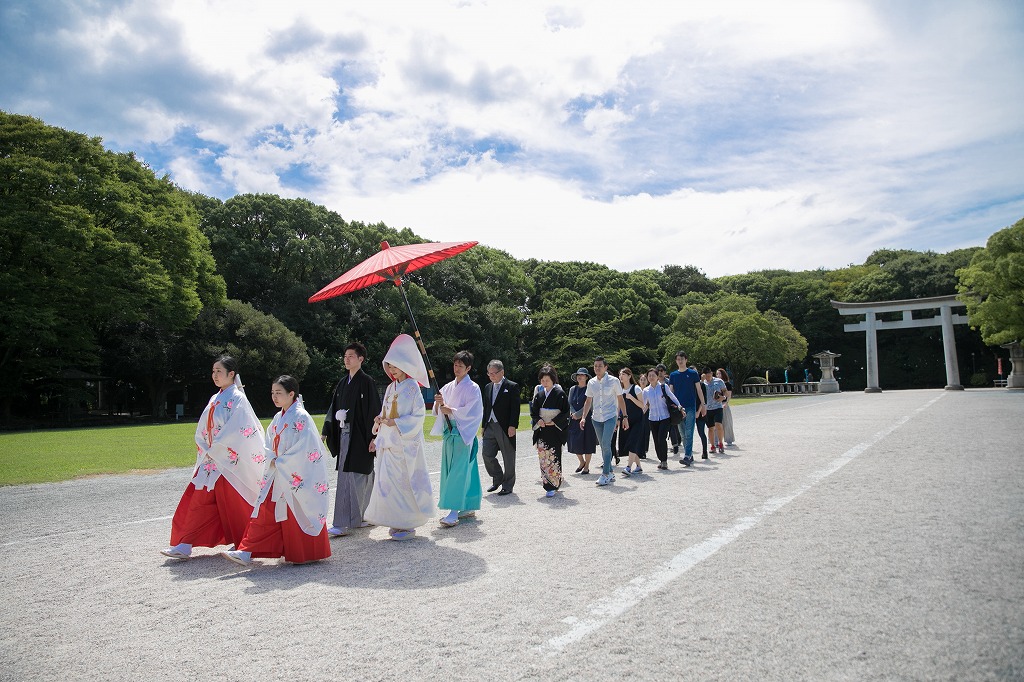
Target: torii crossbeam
[946,319]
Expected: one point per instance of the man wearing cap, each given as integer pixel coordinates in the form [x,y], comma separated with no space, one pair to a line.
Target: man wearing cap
[501,417]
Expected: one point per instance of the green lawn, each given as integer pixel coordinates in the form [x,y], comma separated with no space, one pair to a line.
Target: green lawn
[62,454]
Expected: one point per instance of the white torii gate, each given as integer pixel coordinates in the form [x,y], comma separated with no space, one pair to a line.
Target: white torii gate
[946,319]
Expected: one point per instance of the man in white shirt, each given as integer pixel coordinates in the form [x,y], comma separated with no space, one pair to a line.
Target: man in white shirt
[606,405]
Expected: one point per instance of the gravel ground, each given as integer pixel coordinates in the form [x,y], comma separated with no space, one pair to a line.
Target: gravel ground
[847,537]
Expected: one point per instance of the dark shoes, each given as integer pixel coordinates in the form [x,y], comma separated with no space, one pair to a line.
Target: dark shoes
[494,487]
[505,492]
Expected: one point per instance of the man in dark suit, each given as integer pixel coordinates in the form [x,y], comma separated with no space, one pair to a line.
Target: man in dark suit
[501,417]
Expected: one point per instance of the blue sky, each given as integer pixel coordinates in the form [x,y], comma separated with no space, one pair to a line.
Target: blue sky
[734,136]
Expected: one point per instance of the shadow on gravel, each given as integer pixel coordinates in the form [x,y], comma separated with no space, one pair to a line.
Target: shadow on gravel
[468,530]
[510,500]
[702,466]
[558,501]
[410,565]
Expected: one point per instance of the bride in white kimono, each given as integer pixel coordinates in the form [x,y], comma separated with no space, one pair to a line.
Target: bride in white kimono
[402,497]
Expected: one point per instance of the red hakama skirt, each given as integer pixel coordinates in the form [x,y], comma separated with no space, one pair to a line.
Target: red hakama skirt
[206,518]
[267,538]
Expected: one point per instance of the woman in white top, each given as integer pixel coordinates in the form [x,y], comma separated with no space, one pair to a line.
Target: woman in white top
[655,396]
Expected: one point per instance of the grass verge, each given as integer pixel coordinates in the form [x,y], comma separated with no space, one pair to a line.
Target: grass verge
[62,454]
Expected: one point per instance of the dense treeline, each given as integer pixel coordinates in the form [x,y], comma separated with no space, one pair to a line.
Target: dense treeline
[117,276]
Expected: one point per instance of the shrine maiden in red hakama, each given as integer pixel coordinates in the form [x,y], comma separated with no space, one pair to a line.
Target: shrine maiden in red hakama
[290,519]
[230,461]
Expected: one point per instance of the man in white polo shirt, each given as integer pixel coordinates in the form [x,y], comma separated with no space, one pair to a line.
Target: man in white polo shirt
[605,404]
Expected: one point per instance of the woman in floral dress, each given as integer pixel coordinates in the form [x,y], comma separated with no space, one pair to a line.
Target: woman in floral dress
[291,518]
[230,461]
[549,413]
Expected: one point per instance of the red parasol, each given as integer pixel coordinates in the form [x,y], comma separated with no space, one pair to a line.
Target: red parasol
[391,264]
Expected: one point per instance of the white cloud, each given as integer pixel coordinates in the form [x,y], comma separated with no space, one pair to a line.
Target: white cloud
[722,233]
[796,135]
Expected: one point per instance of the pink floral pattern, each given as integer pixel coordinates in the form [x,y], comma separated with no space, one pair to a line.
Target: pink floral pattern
[248,431]
[296,481]
[315,456]
[232,456]
[322,488]
[209,466]
[549,467]
[300,425]
[259,458]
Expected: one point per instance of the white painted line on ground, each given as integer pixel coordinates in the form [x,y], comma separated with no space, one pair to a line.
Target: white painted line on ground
[83,531]
[599,613]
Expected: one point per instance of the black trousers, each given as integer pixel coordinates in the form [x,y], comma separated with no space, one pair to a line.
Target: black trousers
[700,426]
[673,434]
[659,430]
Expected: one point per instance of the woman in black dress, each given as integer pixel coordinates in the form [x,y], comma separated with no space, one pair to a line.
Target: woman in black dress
[632,439]
[582,442]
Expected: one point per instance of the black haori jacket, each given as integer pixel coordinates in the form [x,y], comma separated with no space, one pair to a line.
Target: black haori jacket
[361,400]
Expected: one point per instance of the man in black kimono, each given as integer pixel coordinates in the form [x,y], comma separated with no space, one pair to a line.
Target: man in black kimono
[347,433]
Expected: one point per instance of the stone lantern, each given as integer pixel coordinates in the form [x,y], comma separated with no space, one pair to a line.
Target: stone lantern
[1016,377]
[828,383]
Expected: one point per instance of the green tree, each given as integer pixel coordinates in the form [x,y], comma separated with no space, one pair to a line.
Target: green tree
[679,280]
[992,286]
[264,347]
[275,253]
[728,330]
[160,362]
[91,241]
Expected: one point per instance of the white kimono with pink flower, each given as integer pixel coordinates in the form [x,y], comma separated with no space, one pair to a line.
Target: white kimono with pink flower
[402,495]
[297,477]
[230,443]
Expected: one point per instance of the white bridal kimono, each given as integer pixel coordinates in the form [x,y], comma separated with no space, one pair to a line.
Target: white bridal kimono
[402,495]
[229,443]
[297,471]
